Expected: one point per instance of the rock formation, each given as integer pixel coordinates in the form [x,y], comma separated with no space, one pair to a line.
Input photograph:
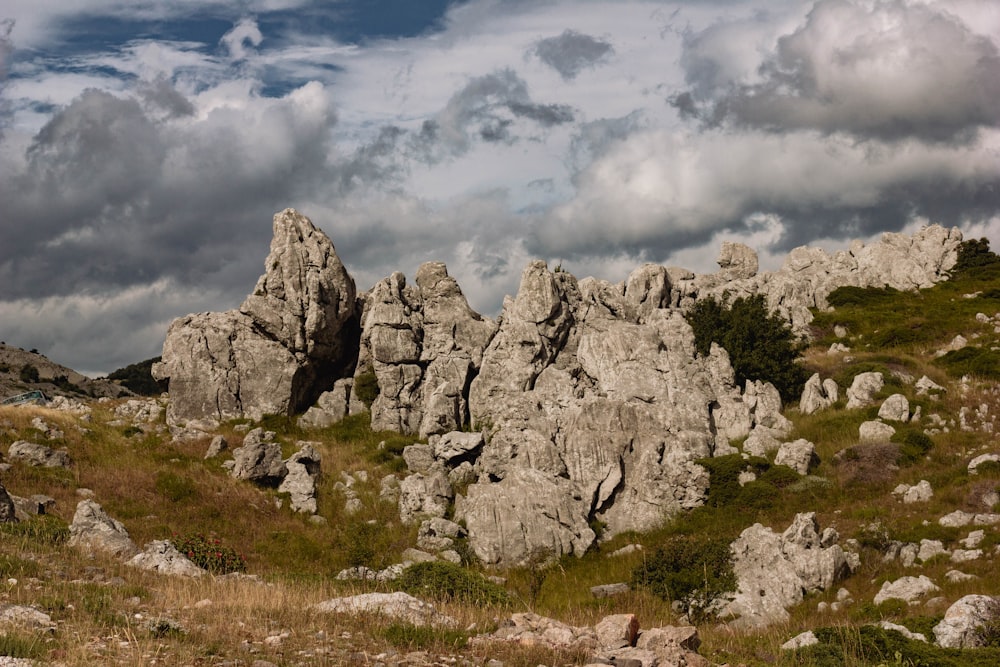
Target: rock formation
[294,335]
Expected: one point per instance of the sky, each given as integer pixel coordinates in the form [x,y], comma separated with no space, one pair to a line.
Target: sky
[146,144]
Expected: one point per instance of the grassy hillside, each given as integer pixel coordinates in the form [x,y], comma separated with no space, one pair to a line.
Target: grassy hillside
[164,489]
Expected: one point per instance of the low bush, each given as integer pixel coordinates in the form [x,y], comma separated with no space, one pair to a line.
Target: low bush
[366,388]
[28,373]
[449,582]
[978,361]
[210,554]
[913,446]
[694,570]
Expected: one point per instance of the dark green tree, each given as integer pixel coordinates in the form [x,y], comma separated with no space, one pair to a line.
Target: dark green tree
[138,378]
[972,254]
[761,344]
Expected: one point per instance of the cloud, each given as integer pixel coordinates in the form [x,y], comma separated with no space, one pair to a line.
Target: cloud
[887,70]
[658,191]
[572,52]
[241,41]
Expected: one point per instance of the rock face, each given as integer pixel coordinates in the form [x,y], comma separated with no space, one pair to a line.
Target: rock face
[292,337]
[424,345]
[93,529]
[961,625]
[774,572]
[303,469]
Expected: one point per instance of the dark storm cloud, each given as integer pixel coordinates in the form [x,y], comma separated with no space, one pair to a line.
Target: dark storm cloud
[887,71]
[108,198]
[162,95]
[571,52]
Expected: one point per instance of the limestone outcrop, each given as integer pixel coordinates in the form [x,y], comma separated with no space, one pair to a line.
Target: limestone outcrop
[294,335]
[774,572]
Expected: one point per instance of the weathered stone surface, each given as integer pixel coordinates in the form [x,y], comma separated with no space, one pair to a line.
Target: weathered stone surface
[38,455]
[457,445]
[609,590]
[526,517]
[26,618]
[258,460]
[163,557]
[775,571]
[863,389]
[907,589]
[875,431]
[617,631]
[800,640]
[330,407]
[425,345]
[424,495]
[303,469]
[981,459]
[797,455]
[818,394]
[961,625]
[93,529]
[737,261]
[895,409]
[398,606]
[218,445]
[438,533]
[920,492]
[291,338]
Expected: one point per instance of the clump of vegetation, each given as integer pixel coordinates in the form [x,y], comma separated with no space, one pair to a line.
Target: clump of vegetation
[174,487]
[446,581]
[210,554]
[865,297]
[366,388]
[414,637]
[973,254]
[761,344]
[28,373]
[694,570]
[977,361]
[138,378]
[914,445]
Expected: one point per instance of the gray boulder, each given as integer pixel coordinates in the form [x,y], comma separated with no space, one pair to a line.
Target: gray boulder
[907,589]
[162,557]
[303,469]
[875,431]
[38,455]
[526,518]
[895,409]
[797,455]
[258,460]
[330,407]
[963,622]
[818,394]
[93,529]
[774,572]
[457,445]
[737,261]
[863,389]
[292,335]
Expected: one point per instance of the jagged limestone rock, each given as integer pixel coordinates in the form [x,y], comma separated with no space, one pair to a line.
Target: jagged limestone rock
[303,469]
[863,389]
[163,557]
[93,529]
[527,518]
[424,495]
[38,455]
[258,460]
[895,409]
[292,337]
[774,572]
[818,394]
[907,589]
[962,624]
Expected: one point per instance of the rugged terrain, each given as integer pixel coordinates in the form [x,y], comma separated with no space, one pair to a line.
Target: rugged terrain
[862,510]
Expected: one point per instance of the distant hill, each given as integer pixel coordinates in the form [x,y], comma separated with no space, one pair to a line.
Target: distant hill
[138,378]
[24,370]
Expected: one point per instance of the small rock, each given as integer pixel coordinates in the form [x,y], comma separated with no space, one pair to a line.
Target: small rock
[907,589]
[609,590]
[802,640]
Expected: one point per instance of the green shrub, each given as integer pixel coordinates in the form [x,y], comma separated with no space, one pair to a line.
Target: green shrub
[695,570]
[174,487]
[446,581]
[138,378]
[364,544]
[210,554]
[780,476]
[867,297]
[761,344]
[28,373]
[914,446]
[366,388]
[979,361]
[724,471]
[758,495]
[973,254]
